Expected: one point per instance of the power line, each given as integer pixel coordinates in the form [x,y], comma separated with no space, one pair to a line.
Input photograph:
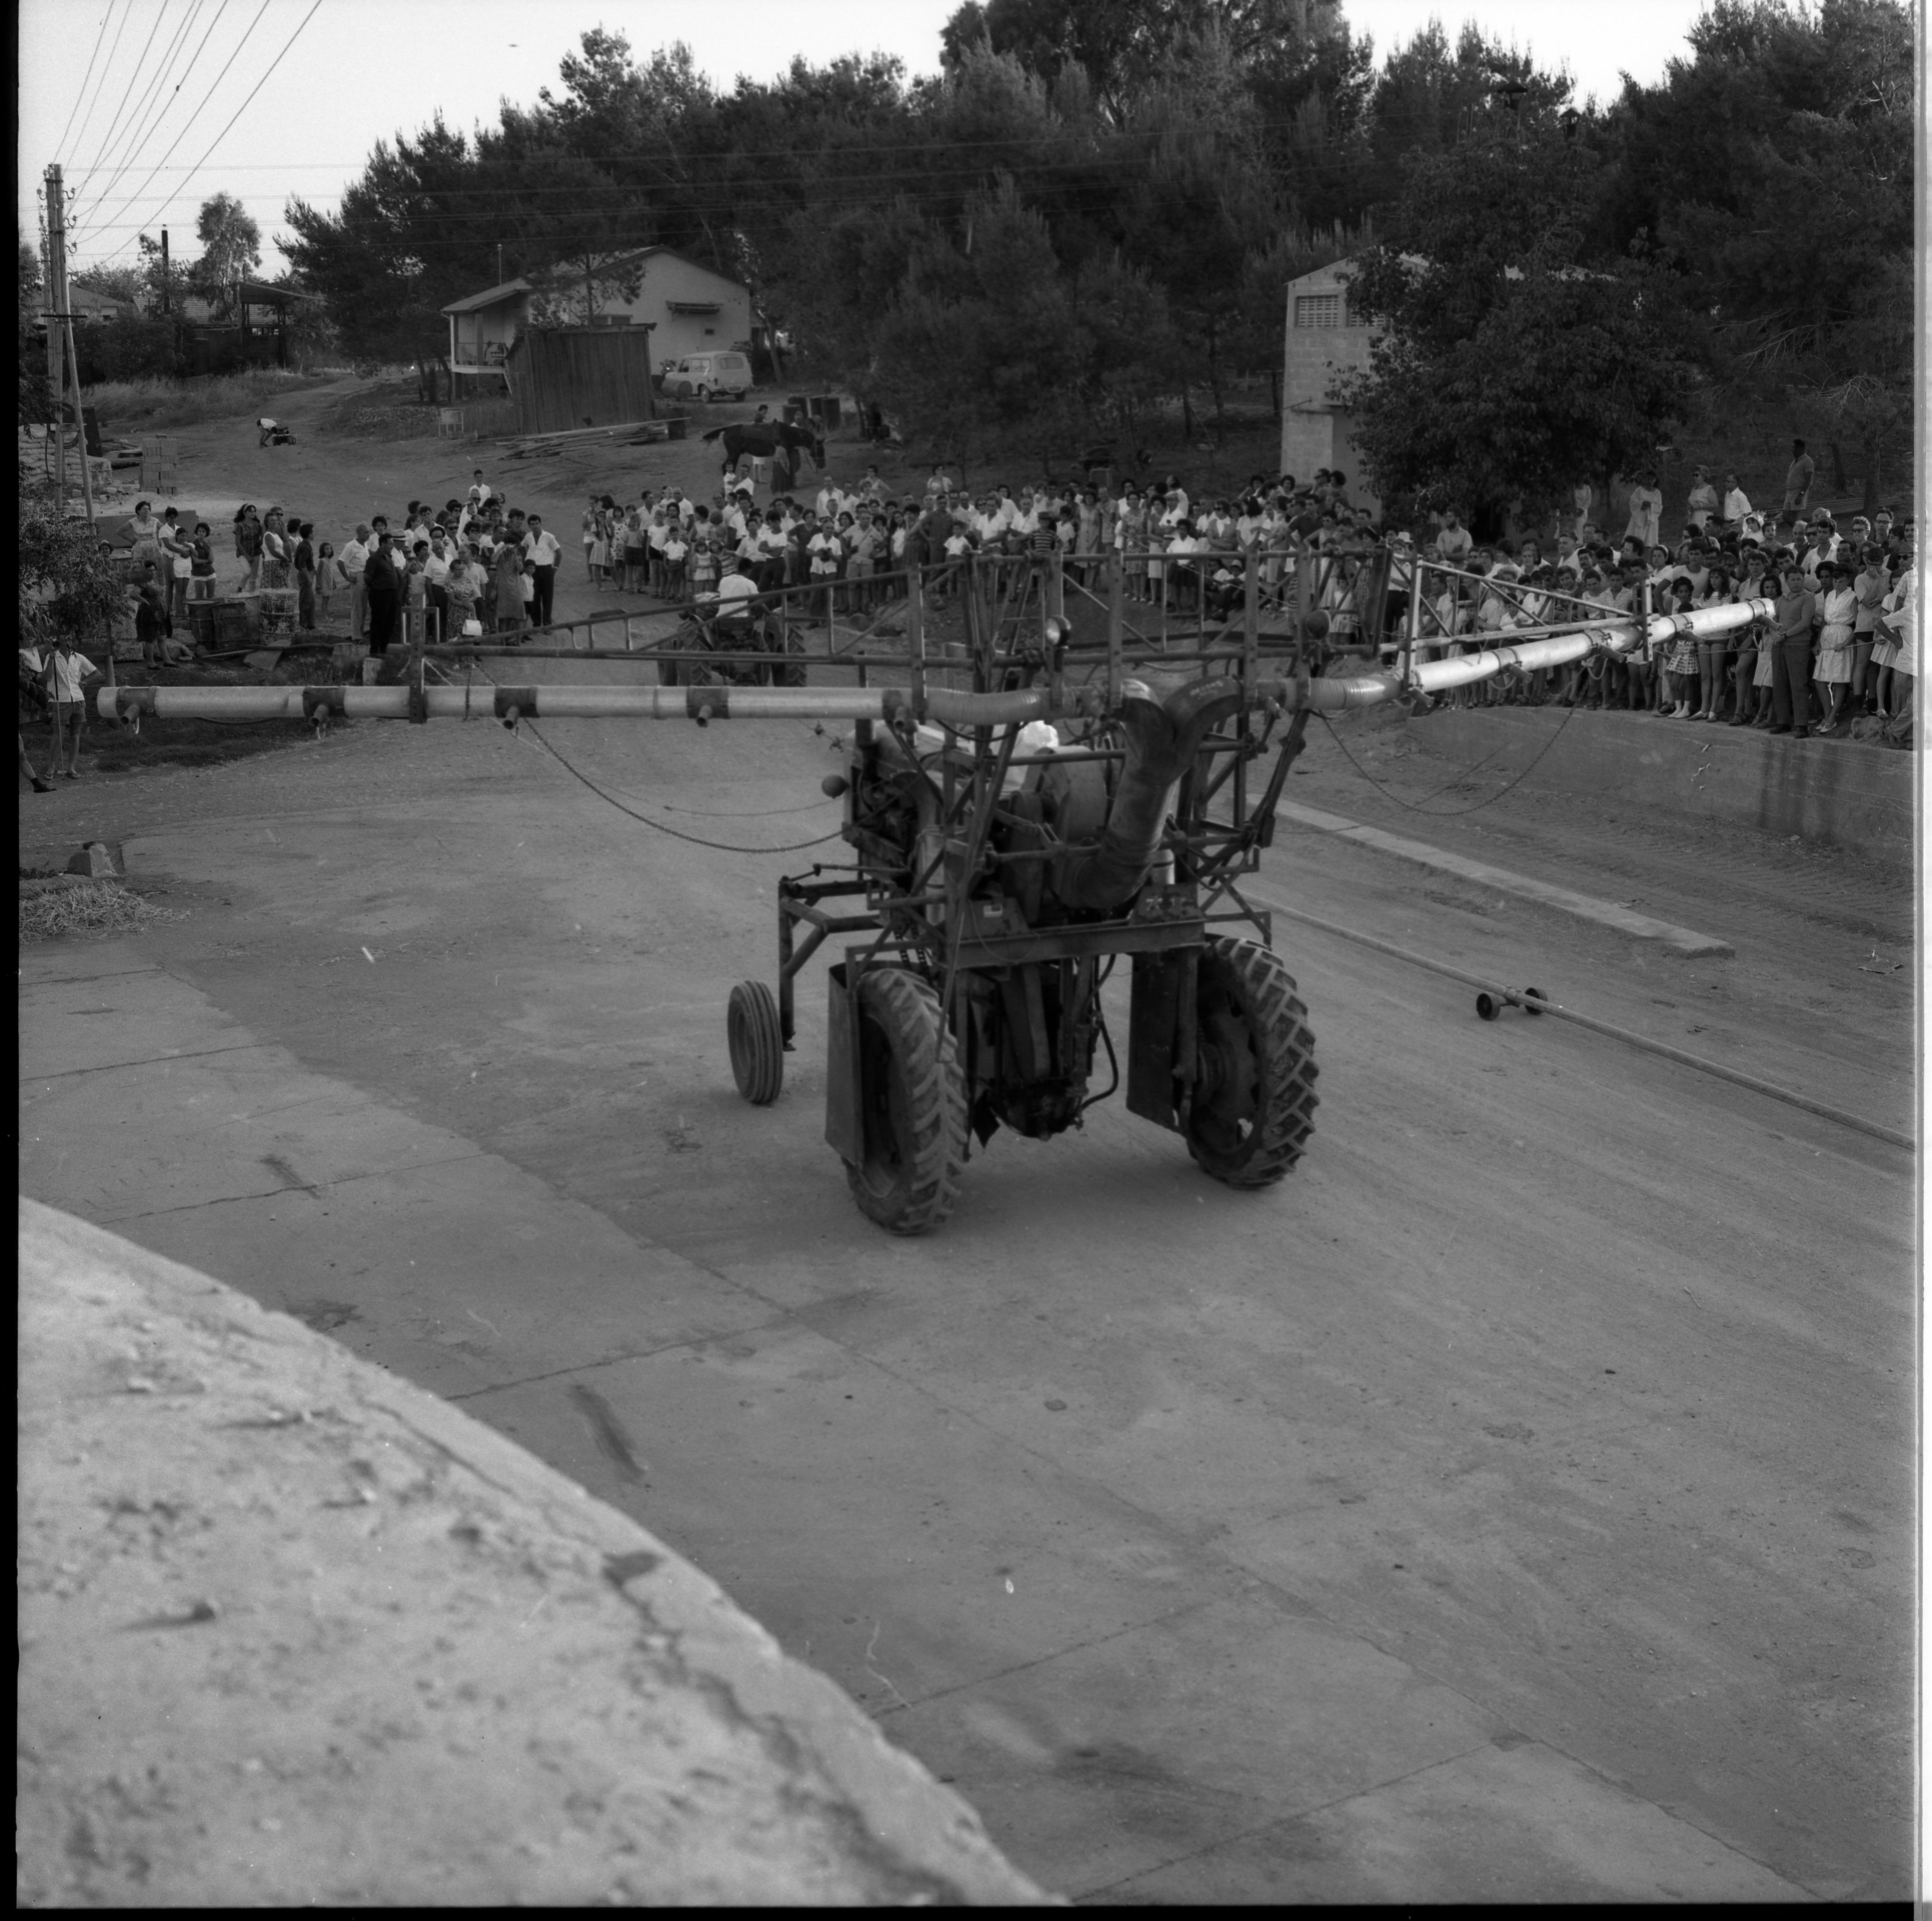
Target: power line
[166,98]
[100,85]
[117,118]
[99,34]
[128,122]
[104,226]
[189,172]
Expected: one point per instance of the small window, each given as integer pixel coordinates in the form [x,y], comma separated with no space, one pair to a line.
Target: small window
[1318,309]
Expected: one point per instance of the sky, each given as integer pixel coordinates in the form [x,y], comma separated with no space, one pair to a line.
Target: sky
[150,106]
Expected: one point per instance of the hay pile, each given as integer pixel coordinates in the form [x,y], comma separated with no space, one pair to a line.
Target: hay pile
[51,908]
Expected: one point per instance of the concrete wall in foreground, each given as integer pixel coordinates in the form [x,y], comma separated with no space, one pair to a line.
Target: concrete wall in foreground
[1841,793]
[293,1631]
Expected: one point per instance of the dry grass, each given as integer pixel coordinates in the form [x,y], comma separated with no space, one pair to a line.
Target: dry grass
[90,907]
[127,405]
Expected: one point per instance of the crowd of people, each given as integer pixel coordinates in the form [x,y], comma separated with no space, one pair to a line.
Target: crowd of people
[1837,645]
[1836,642]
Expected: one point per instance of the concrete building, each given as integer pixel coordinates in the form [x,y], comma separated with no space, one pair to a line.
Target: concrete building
[1323,340]
[689,308]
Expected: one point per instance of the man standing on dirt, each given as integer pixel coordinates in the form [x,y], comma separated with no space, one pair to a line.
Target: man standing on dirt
[383,581]
[66,670]
[542,550]
[354,558]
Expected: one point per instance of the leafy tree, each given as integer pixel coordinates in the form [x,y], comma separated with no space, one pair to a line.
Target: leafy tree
[419,228]
[1203,202]
[36,396]
[231,248]
[116,283]
[130,346]
[65,585]
[177,280]
[1511,360]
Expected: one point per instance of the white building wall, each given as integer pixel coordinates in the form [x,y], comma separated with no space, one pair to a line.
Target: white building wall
[1320,341]
[671,282]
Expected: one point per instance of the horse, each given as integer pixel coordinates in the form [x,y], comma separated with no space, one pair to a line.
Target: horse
[772,440]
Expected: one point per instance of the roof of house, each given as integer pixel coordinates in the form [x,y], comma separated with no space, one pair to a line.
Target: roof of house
[271,293]
[496,296]
[489,297]
[84,300]
[646,252]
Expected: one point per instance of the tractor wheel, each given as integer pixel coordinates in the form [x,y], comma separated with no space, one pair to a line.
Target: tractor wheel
[1254,1099]
[912,1104]
[758,1044]
[696,671]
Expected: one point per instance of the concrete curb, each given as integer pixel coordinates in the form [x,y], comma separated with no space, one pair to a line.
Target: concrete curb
[1583,907]
[1840,792]
[293,1630]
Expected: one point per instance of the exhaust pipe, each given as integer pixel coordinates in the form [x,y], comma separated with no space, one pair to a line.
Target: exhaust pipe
[1163,738]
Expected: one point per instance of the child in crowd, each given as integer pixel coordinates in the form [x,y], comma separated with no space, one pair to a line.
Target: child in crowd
[201,563]
[702,564]
[1678,693]
[674,554]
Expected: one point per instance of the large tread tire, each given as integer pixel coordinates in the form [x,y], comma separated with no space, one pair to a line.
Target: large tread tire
[757,1042]
[694,669]
[1259,1111]
[912,1101]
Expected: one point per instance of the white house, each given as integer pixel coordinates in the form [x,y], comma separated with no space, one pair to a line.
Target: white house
[688,307]
[1324,341]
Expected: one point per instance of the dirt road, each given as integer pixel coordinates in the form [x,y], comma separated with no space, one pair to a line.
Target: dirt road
[1515,1504]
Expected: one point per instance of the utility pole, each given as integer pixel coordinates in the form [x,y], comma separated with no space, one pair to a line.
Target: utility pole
[499,263]
[164,271]
[56,317]
[60,333]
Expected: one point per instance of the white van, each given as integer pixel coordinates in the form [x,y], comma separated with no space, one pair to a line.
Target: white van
[708,377]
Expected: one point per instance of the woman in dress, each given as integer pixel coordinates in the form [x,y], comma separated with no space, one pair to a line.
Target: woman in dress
[275,550]
[508,573]
[1838,611]
[1714,651]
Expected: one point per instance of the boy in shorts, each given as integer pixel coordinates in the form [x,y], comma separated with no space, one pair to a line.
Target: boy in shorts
[66,670]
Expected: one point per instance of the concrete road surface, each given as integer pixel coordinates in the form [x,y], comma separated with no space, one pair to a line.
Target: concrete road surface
[1514,1504]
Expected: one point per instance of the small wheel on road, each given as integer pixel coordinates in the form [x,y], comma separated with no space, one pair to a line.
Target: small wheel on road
[1534,993]
[1254,1100]
[703,393]
[1487,1006]
[757,1045]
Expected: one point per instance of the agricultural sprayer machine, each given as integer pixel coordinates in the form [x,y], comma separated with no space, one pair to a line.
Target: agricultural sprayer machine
[1038,790]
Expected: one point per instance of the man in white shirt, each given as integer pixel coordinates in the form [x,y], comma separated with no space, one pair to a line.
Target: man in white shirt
[736,593]
[354,557]
[1736,503]
[1453,540]
[542,550]
[67,670]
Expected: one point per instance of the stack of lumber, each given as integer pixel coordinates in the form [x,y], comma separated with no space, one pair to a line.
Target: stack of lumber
[629,434]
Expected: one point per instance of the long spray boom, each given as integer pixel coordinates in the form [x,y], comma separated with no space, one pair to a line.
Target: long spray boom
[946,706]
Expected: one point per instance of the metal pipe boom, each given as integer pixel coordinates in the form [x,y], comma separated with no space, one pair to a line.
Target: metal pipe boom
[947,706]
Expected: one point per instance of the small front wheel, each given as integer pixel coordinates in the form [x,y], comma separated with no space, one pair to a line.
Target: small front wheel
[757,1042]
